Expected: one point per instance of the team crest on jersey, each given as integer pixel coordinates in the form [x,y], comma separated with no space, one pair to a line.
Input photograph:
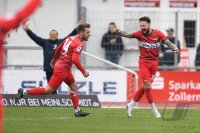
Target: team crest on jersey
[155,38]
[78,49]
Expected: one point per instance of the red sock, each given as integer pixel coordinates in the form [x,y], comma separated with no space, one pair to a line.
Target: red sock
[149,95]
[36,91]
[138,95]
[75,99]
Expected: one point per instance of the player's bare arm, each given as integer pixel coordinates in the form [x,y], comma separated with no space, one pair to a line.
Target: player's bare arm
[172,46]
[125,34]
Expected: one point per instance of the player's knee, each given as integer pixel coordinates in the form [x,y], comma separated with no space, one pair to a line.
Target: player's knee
[74,87]
[147,85]
[49,90]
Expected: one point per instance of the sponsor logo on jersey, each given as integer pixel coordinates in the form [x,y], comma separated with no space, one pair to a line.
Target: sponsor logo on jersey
[150,45]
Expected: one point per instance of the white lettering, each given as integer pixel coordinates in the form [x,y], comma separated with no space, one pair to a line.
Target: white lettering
[183,96]
[191,85]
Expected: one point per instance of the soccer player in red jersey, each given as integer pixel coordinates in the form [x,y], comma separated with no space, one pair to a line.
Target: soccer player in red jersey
[149,42]
[66,54]
[6,24]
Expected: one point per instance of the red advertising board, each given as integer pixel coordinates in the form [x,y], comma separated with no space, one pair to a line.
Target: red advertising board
[183,3]
[171,86]
[142,3]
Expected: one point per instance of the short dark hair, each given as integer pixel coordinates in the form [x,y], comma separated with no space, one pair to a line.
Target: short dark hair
[81,27]
[54,31]
[145,18]
[112,23]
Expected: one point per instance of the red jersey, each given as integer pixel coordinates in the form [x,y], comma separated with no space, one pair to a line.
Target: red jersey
[69,46]
[6,24]
[149,44]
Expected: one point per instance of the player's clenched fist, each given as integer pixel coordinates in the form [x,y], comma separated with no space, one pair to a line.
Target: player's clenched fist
[86,74]
[176,50]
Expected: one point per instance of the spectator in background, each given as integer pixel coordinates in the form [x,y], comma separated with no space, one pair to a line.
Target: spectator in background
[197,59]
[112,43]
[167,56]
[48,45]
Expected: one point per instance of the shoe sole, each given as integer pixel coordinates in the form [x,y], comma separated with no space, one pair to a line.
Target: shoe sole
[82,116]
[159,117]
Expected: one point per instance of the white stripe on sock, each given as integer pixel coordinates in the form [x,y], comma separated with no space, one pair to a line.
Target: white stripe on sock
[77,110]
[153,107]
[25,92]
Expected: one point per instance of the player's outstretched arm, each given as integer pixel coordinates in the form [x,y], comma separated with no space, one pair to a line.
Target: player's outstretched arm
[172,46]
[21,15]
[28,9]
[125,34]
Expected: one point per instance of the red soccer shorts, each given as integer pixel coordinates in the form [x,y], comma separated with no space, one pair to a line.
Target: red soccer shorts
[147,70]
[60,75]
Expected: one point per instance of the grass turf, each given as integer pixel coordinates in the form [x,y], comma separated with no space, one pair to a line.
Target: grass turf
[62,120]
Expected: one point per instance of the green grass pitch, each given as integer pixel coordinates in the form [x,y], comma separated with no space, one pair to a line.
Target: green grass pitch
[101,120]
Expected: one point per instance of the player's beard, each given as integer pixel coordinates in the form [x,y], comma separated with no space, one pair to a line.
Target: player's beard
[146,31]
[85,38]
